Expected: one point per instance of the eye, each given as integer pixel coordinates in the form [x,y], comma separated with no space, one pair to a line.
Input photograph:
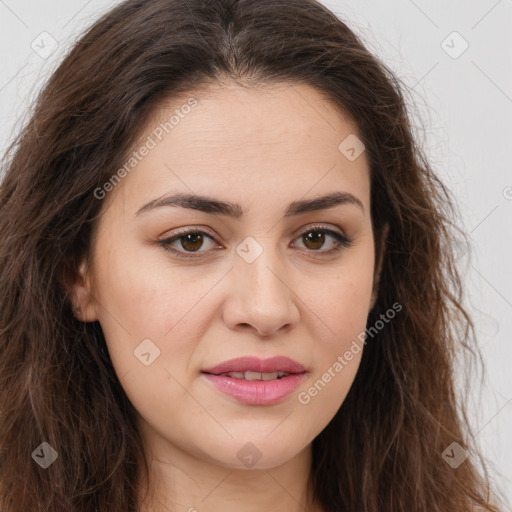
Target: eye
[186,244]
[190,242]
[315,238]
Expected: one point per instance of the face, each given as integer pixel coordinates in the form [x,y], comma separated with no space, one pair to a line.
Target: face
[261,270]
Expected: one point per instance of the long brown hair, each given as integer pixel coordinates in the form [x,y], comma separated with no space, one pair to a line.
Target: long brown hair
[383,451]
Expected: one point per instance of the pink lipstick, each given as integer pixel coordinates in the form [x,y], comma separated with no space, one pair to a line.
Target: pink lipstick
[255,381]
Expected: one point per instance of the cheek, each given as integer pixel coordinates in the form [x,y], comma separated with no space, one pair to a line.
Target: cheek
[138,292]
[149,316]
[324,394]
[338,352]
[348,310]
[346,314]
[342,307]
[141,299]
[342,302]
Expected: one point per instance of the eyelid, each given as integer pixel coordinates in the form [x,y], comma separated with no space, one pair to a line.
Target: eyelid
[317,226]
[343,241]
[192,229]
[189,229]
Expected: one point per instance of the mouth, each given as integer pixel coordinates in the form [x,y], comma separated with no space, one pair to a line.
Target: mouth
[250,375]
[254,381]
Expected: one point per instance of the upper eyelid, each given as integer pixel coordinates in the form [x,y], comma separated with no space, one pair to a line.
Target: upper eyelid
[308,227]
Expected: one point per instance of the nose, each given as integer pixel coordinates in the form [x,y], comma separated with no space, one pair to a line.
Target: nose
[260,297]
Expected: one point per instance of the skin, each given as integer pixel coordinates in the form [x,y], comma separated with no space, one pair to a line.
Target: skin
[261,148]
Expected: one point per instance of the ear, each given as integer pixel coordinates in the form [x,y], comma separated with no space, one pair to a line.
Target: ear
[83,303]
[378,265]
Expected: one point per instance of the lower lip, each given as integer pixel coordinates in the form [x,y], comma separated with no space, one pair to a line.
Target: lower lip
[256,392]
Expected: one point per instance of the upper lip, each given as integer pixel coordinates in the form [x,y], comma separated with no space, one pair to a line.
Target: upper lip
[255,364]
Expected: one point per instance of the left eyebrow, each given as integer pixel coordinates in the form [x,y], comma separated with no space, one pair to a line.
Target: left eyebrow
[214,206]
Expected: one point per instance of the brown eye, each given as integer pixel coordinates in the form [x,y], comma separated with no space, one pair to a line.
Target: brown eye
[192,241]
[314,239]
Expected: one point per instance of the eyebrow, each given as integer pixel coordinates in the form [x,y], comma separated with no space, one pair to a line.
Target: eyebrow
[214,206]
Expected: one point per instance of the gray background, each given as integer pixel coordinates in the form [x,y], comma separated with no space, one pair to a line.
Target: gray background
[462,105]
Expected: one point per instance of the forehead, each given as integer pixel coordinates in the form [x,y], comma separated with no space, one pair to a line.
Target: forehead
[286,115]
[272,139]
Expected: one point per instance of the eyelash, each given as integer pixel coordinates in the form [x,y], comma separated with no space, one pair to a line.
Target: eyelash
[343,242]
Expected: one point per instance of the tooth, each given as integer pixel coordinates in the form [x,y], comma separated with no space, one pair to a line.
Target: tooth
[236,375]
[252,376]
[249,375]
[269,375]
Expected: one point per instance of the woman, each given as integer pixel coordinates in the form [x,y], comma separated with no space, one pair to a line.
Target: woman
[227,277]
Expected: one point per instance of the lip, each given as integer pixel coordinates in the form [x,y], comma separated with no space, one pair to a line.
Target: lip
[256,392]
[255,364]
